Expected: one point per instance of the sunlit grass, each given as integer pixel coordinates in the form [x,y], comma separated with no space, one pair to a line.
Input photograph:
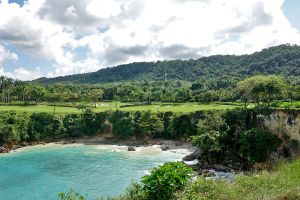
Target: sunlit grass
[104,106]
[281,184]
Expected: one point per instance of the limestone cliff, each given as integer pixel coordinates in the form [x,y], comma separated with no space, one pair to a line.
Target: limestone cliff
[283,123]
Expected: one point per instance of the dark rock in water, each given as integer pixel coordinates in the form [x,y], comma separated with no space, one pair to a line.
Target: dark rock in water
[177,144]
[15,147]
[237,166]
[4,150]
[194,164]
[207,173]
[221,168]
[24,144]
[189,157]
[131,148]
[165,148]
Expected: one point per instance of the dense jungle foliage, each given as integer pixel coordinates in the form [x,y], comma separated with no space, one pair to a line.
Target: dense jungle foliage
[259,89]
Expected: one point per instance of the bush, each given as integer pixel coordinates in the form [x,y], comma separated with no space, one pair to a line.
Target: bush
[257,144]
[210,129]
[7,134]
[70,196]
[133,192]
[182,125]
[13,127]
[44,126]
[162,183]
[122,123]
[149,124]
[72,125]
[208,141]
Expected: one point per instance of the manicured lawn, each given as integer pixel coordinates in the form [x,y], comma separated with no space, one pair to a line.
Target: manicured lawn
[103,106]
[179,107]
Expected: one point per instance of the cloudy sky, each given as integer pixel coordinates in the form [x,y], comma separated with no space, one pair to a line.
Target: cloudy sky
[61,37]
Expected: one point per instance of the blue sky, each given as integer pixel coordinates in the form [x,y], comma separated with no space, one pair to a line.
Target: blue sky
[291,10]
[54,37]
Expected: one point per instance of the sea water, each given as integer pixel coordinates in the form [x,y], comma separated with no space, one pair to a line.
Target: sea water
[42,172]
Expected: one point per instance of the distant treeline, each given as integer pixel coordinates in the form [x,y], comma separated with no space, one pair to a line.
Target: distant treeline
[227,135]
[224,88]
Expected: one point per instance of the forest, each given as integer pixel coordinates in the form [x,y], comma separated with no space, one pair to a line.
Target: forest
[222,89]
[280,60]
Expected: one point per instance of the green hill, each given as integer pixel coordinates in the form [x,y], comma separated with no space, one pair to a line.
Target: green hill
[281,60]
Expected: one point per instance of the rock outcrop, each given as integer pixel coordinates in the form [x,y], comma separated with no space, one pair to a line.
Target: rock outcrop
[131,148]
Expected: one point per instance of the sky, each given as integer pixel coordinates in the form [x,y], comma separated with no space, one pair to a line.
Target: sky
[48,38]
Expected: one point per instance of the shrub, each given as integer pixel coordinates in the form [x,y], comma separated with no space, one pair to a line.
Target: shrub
[72,125]
[210,129]
[133,192]
[162,183]
[149,124]
[208,141]
[13,127]
[257,144]
[182,125]
[70,196]
[122,123]
[43,126]
[7,134]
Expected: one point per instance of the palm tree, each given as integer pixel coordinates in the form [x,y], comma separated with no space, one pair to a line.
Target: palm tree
[9,87]
[2,87]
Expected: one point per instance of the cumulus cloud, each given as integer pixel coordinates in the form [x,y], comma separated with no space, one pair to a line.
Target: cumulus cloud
[22,73]
[6,55]
[121,31]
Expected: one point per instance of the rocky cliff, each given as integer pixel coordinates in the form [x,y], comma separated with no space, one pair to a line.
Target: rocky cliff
[283,123]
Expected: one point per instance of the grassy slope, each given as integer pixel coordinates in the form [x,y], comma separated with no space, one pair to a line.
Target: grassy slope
[282,184]
[162,107]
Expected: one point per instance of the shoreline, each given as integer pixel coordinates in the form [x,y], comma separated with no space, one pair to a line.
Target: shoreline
[185,150]
[126,144]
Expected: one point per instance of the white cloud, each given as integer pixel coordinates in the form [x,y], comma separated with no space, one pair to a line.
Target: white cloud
[6,55]
[22,74]
[104,8]
[122,31]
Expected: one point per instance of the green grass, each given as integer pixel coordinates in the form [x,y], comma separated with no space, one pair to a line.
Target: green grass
[104,106]
[281,184]
[293,105]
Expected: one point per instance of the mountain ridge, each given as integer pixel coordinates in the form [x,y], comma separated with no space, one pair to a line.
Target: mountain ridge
[281,60]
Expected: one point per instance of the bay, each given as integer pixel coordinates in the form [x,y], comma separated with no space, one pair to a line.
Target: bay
[41,172]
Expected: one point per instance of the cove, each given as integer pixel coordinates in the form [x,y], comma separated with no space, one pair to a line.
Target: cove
[42,172]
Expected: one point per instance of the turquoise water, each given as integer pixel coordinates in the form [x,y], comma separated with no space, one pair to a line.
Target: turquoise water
[38,173]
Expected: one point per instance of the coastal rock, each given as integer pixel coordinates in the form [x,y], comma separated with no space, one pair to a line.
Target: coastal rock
[24,144]
[194,164]
[165,148]
[217,175]
[131,148]
[221,168]
[189,157]
[14,147]
[4,150]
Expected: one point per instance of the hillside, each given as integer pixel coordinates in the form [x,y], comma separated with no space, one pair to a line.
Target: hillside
[280,60]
